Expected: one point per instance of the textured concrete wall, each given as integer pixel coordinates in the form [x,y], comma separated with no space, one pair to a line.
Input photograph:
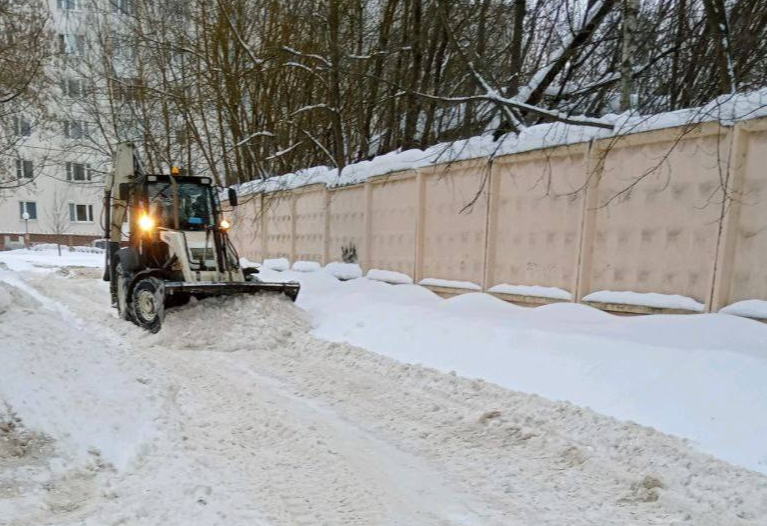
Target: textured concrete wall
[656,223]
[247,231]
[749,255]
[454,223]
[539,208]
[347,222]
[646,212]
[278,225]
[393,223]
[310,208]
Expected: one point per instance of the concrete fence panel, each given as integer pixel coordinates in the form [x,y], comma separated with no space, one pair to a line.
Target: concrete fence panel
[310,208]
[454,223]
[657,215]
[539,212]
[247,228]
[749,252]
[347,223]
[278,225]
[392,206]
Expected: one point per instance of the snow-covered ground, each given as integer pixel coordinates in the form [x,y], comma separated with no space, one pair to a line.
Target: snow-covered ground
[249,411]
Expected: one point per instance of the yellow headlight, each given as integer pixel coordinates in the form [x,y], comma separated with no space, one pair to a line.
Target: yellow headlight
[146,222]
[225,225]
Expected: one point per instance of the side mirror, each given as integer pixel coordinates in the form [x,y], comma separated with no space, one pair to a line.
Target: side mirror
[123,192]
[232,197]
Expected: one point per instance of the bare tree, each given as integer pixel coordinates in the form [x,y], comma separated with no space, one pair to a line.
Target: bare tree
[630,14]
[58,216]
[24,55]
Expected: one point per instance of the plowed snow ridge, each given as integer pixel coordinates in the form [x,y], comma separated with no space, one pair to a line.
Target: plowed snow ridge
[245,418]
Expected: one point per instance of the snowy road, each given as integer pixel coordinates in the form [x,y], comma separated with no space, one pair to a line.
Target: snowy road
[234,414]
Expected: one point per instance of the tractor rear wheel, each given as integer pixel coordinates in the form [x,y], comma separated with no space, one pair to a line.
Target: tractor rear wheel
[147,304]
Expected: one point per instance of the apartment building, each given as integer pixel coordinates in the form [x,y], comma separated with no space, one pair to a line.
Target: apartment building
[55,195]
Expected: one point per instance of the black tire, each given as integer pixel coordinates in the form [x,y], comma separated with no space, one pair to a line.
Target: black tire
[147,305]
[121,292]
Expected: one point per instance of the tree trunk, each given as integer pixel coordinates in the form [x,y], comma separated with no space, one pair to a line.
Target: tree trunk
[630,13]
[716,17]
[334,26]
[520,9]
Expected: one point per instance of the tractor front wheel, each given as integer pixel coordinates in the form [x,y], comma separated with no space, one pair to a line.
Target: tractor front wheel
[147,304]
[121,293]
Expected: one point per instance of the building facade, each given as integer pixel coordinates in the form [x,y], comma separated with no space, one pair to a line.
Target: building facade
[54,183]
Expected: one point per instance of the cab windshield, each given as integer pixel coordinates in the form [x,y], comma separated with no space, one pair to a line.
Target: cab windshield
[195,205]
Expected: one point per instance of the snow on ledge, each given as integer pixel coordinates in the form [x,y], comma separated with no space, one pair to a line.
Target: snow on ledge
[433,282]
[344,271]
[747,308]
[278,264]
[306,266]
[532,290]
[246,263]
[646,299]
[389,276]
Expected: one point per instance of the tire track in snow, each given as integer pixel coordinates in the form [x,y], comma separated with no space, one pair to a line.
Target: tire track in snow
[505,456]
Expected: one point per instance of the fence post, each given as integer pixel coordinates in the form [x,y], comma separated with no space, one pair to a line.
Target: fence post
[594,165]
[326,232]
[262,220]
[293,200]
[491,225]
[367,244]
[420,211]
[721,281]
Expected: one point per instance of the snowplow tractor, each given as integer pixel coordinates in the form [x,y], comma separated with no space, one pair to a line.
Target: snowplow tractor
[177,244]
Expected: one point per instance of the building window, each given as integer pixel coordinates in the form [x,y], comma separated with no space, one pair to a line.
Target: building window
[71,44]
[122,7]
[125,90]
[78,172]
[80,213]
[75,129]
[74,88]
[29,207]
[24,169]
[69,5]
[22,127]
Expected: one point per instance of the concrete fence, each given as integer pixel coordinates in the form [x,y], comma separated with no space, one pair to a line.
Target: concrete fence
[676,211]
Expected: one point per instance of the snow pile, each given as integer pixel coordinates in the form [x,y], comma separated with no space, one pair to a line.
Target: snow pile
[696,376]
[270,424]
[447,283]
[246,263]
[726,109]
[344,271]
[747,308]
[278,264]
[646,299]
[94,407]
[48,247]
[306,266]
[532,290]
[46,260]
[389,276]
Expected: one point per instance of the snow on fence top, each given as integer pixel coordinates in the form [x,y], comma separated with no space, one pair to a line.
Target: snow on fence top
[726,109]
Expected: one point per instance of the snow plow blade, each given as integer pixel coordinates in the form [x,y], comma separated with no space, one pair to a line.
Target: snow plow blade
[210,288]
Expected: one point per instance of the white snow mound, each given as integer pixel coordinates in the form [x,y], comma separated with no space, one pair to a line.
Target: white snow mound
[532,290]
[646,299]
[747,308]
[278,264]
[306,266]
[344,271]
[389,276]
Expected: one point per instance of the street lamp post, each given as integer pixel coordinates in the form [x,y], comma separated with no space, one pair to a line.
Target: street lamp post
[25,217]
